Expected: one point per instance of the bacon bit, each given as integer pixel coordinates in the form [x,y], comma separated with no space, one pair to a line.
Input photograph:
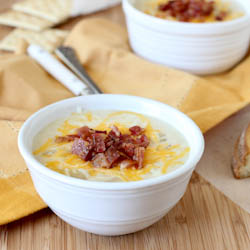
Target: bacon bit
[107,150]
[113,137]
[142,141]
[109,141]
[115,131]
[185,10]
[221,16]
[127,138]
[99,142]
[139,156]
[67,138]
[100,161]
[128,149]
[85,132]
[136,130]
[105,160]
[127,163]
[112,155]
[82,148]
[100,132]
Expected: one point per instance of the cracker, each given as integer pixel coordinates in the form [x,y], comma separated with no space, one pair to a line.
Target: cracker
[22,46]
[53,10]
[22,20]
[47,39]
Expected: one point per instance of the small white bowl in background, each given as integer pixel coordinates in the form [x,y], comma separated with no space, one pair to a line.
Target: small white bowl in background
[110,208]
[199,48]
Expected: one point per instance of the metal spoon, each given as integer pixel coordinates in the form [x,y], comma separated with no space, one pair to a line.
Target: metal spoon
[68,56]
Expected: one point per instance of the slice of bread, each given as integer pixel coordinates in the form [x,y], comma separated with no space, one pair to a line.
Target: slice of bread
[241,156]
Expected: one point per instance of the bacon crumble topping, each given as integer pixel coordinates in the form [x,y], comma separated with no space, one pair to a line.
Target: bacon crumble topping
[187,10]
[106,150]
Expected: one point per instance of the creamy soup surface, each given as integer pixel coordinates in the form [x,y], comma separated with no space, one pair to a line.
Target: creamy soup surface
[167,151]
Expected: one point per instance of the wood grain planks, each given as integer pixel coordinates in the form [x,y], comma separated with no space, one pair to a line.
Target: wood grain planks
[203,219]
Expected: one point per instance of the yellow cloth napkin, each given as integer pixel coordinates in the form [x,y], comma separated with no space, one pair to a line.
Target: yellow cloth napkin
[103,49]
[24,88]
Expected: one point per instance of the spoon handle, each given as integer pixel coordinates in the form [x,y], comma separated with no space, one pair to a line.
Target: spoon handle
[68,56]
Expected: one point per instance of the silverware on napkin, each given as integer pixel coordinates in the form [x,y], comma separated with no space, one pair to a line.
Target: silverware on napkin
[81,85]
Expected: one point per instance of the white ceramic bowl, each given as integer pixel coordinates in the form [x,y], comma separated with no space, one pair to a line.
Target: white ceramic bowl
[199,48]
[110,208]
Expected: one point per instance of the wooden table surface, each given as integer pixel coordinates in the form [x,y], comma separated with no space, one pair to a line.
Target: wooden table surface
[203,219]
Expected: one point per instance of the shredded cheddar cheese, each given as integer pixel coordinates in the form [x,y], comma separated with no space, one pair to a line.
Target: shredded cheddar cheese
[66,128]
[89,116]
[44,147]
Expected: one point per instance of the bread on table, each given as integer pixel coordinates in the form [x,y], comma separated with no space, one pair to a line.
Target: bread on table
[241,156]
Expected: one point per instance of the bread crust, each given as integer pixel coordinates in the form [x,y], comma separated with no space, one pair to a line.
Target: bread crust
[241,153]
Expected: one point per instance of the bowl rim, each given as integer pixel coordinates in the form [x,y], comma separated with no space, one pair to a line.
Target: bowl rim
[176,24]
[97,185]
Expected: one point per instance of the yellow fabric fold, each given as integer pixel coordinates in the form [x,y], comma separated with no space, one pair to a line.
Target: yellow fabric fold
[103,49]
[24,88]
